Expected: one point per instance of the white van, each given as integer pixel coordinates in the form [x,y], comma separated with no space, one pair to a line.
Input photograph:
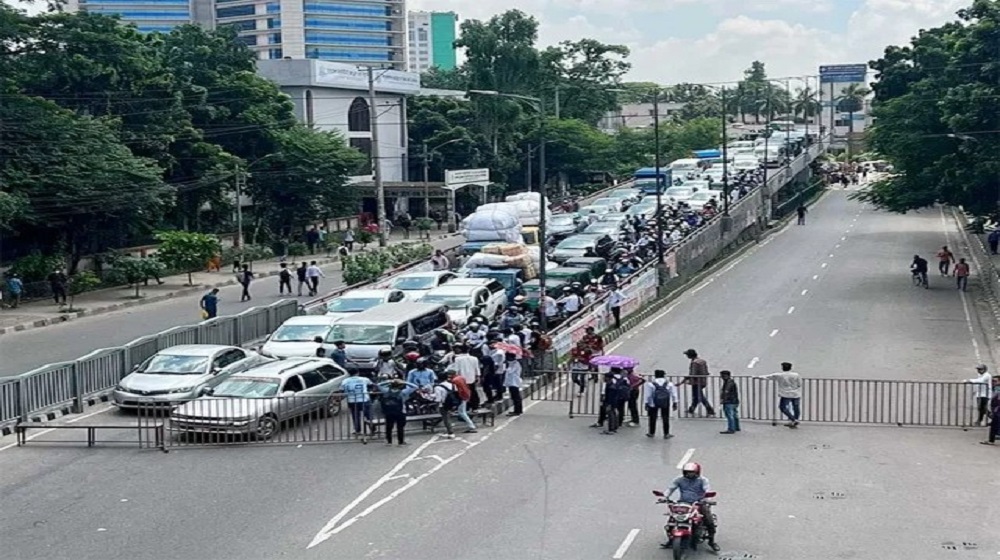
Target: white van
[770,157]
[682,167]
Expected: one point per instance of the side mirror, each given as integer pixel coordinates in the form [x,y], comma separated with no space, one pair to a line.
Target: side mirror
[135,367]
[709,494]
[216,370]
[207,391]
[659,494]
[288,394]
[400,341]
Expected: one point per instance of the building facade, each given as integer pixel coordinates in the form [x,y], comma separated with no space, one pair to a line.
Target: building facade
[834,81]
[431,38]
[637,115]
[357,32]
[334,96]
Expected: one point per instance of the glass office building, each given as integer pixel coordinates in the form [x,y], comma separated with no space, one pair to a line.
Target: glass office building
[431,37]
[149,15]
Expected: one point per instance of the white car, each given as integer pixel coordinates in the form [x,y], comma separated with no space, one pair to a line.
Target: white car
[745,164]
[614,204]
[489,296]
[294,338]
[416,284]
[678,194]
[356,301]
[698,200]
[597,211]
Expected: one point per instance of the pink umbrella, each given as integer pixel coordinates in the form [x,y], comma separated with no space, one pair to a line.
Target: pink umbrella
[611,360]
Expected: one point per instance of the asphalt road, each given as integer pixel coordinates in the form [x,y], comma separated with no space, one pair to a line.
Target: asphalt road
[23,351]
[544,486]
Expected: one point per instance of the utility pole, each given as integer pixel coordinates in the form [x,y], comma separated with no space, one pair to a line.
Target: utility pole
[660,186]
[527,178]
[377,159]
[239,207]
[543,320]
[557,102]
[427,187]
[725,158]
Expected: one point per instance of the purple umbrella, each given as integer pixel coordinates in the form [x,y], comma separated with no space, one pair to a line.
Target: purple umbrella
[614,361]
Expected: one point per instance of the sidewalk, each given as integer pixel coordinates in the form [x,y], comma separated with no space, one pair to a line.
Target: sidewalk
[41,313]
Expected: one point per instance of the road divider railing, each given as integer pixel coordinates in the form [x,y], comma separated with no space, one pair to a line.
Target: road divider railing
[942,404]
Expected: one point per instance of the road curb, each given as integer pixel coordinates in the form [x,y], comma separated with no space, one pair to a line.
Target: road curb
[180,292]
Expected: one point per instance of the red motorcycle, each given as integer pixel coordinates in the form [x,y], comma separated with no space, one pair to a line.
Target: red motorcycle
[685,528]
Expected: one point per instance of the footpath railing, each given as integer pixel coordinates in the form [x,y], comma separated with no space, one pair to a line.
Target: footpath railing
[844,401]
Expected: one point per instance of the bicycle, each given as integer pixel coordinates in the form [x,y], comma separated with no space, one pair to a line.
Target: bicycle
[919,278]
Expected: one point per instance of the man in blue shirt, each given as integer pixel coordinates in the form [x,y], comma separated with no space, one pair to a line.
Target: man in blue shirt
[357,390]
[692,488]
[210,303]
[16,287]
[339,354]
[422,376]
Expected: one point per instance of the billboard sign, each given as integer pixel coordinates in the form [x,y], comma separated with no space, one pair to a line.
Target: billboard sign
[841,73]
[455,179]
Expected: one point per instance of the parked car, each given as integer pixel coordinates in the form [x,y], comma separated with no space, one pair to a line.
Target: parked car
[577,245]
[605,228]
[416,284]
[569,274]
[613,204]
[356,301]
[597,211]
[489,296]
[644,208]
[386,326]
[595,265]
[296,336]
[698,200]
[180,372]
[678,194]
[532,289]
[258,401]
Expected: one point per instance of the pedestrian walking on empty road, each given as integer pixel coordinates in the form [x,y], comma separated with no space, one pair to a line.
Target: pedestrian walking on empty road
[57,282]
[962,275]
[300,274]
[789,392]
[994,240]
[210,304]
[801,212]
[313,274]
[698,380]
[284,279]
[661,397]
[981,393]
[945,258]
[730,400]
[994,412]
[244,278]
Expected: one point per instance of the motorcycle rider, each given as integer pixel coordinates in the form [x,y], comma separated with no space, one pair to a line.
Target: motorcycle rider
[386,367]
[692,488]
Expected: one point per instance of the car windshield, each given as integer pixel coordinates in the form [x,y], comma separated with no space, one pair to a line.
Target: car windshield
[577,242]
[352,305]
[602,227]
[414,282]
[175,365]
[363,334]
[453,301]
[562,220]
[299,333]
[246,387]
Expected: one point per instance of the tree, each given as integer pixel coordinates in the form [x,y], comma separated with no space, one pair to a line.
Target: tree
[80,282]
[806,103]
[852,100]
[132,271]
[580,73]
[186,251]
[935,109]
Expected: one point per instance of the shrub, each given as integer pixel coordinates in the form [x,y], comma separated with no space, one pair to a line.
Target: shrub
[36,267]
[297,249]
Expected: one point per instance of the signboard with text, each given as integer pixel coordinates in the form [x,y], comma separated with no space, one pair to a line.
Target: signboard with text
[346,76]
[840,73]
[457,178]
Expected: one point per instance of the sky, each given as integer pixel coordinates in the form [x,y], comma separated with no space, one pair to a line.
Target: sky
[713,41]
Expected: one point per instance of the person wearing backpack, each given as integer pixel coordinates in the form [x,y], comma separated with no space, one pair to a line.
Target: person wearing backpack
[661,397]
[448,401]
[464,394]
[392,399]
[612,403]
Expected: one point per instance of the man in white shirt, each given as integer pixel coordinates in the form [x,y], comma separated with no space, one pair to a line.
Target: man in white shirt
[981,392]
[468,367]
[550,307]
[789,392]
[440,261]
[570,301]
[615,301]
[313,274]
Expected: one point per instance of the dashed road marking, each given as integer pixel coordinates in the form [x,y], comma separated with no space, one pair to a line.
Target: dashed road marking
[753,362]
[773,333]
[822,265]
[804,292]
[843,238]
[815,276]
[791,310]
[831,255]
[623,548]
[687,457]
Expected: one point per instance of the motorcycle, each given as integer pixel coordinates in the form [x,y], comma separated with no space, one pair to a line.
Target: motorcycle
[685,528]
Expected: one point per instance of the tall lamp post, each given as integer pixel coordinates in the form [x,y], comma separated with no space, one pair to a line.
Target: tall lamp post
[660,186]
[427,168]
[539,106]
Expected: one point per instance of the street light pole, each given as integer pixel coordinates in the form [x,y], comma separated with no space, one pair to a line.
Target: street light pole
[376,159]
[659,181]
[725,158]
[427,181]
[542,178]
[239,207]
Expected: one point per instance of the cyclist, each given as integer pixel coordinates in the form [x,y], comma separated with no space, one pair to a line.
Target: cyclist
[919,269]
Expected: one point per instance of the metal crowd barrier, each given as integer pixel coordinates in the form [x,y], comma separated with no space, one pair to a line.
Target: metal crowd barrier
[69,385]
[842,401]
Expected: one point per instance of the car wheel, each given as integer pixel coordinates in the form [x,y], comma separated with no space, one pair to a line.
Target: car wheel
[333,406]
[267,426]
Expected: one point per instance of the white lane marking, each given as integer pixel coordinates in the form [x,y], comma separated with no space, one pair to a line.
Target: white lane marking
[843,238]
[804,292]
[815,276]
[791,310]
[822,265]
[623,548]
[774,333]
[73,421]
[961,294]
[837,246]
[753,362]
[332,528]
[831,255]
[687,457]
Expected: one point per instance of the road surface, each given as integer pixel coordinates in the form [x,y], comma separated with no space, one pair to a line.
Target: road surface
[543,486]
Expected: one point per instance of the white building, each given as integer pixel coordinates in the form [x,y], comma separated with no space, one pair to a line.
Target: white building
[431,39]
[334,96]
[834,80]
[637,116]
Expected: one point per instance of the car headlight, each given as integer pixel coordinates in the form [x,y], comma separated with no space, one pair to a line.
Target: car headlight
[182,390]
